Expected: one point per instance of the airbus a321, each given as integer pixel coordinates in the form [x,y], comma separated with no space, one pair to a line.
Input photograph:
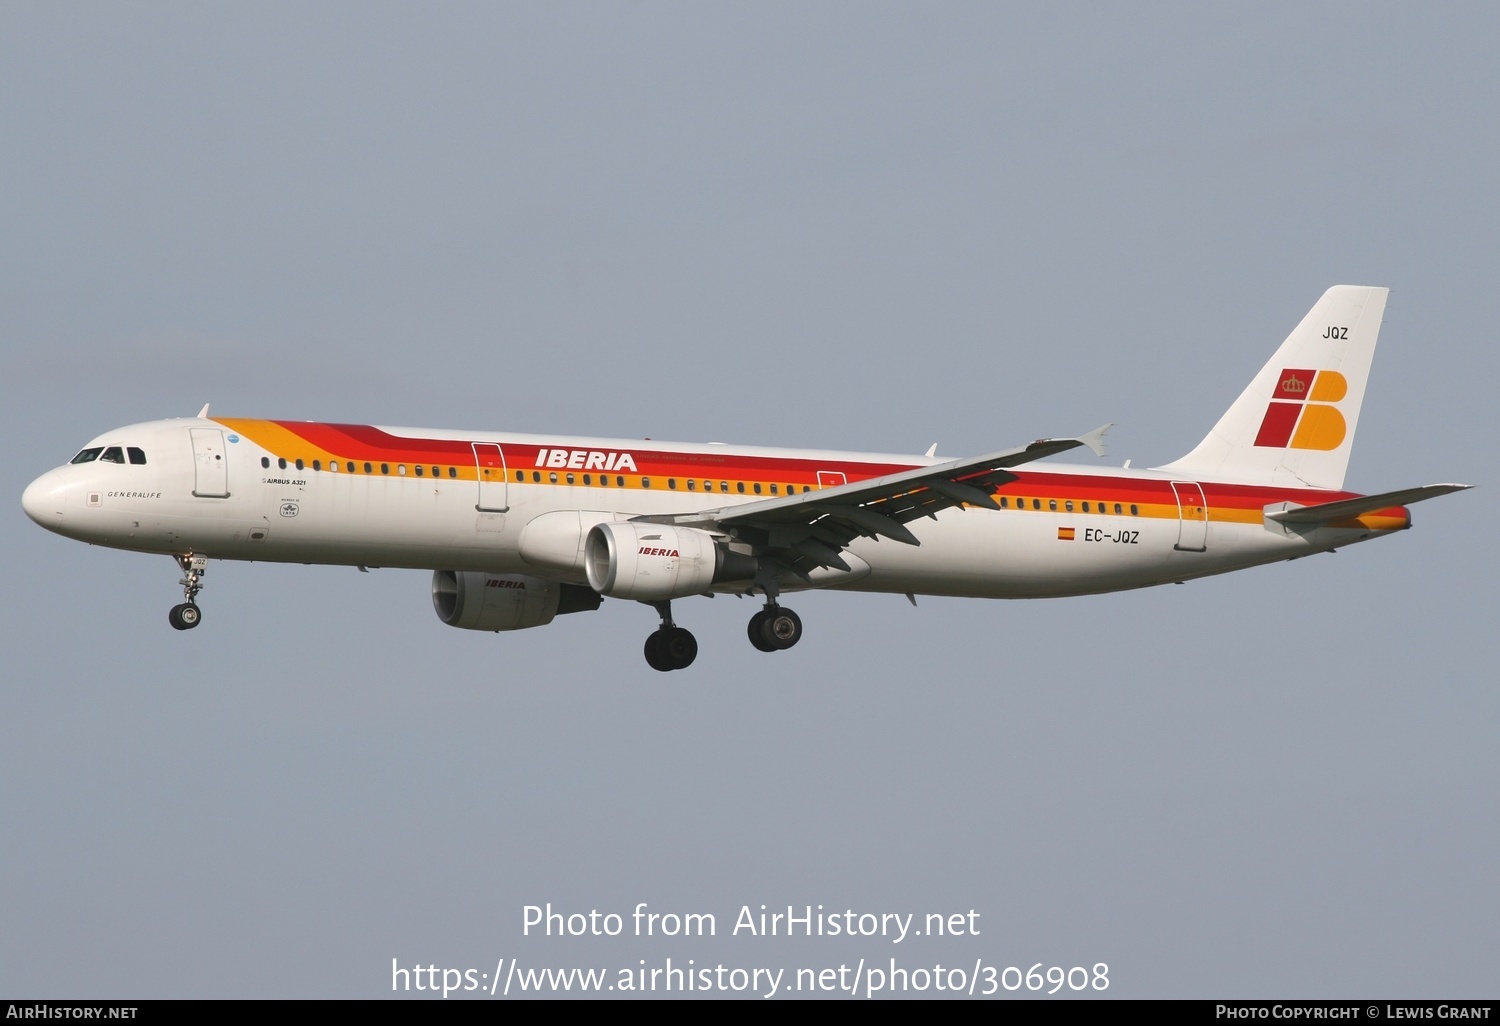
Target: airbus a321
[518,529]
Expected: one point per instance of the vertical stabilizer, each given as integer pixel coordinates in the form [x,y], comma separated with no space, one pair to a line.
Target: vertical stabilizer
[1295,424]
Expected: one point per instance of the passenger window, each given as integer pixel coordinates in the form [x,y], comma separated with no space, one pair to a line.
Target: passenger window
[401,469]
[536,476]
[672,483]
[87,456]
[349,466]
[281,462]
[265,462]
[588,479]
[417,468]
[452,471]
[369,469]
[757,488]
[1085,507]
[773,489]
[299,464]
[723,486]
[1052,504]
[437,473]
[1004,502]
[604,480]
[385,468]
[137,456]
[692,485]
[333,465]
[552,478]
[1117,509]
[112,455]
[645,482]
[1036,503]
[1133,511]
[317,464]
[1068,505]
[619,480]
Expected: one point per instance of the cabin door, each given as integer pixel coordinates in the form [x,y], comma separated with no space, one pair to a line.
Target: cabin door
[210,467]
[489,461]
[1192,510]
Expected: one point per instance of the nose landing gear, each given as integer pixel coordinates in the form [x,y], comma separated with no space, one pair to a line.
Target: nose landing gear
[186,615]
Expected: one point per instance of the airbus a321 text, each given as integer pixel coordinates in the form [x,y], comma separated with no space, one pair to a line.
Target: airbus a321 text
[518,529]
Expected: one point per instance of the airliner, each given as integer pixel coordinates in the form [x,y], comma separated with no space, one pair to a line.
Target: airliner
[519,529]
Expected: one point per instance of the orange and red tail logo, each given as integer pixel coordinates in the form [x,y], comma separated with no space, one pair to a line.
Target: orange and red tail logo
[1301,413]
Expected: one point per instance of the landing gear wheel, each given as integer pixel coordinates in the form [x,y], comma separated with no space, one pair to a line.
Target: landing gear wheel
[680,647]
[654,656]
[671,648]
[184,616]
[783,627]
[757,632]
[775,628]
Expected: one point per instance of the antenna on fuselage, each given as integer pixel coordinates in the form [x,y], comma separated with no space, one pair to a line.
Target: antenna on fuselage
[203,413]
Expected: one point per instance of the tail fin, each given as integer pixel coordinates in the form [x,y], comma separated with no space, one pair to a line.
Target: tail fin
[1295,424]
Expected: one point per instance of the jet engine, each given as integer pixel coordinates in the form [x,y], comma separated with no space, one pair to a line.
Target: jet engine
[504,602]
[655,562]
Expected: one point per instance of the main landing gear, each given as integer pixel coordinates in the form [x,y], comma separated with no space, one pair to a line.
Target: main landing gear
[670,647]
[186,615]
[775,628]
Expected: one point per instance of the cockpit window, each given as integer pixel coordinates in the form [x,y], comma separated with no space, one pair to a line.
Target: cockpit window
[137,456]
[87,456]
[112,455]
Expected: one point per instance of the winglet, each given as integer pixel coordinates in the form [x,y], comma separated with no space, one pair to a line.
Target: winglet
[203,413]
[1095,439]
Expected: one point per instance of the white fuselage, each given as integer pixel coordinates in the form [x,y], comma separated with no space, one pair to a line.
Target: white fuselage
[207,488]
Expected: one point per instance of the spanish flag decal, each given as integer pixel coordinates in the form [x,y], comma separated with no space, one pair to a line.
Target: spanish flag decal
[1065,534]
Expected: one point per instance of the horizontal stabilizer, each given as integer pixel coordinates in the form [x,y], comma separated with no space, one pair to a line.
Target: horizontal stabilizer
[1344,509]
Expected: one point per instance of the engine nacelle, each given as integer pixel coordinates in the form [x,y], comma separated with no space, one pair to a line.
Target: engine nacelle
[504,602]
[654,562]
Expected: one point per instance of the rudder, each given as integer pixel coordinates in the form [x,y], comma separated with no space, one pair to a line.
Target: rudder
[1294,425]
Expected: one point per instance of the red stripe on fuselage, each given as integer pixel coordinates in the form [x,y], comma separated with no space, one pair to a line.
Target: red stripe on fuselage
[364,442]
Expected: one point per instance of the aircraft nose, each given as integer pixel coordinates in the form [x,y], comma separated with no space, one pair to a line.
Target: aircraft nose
[44,499]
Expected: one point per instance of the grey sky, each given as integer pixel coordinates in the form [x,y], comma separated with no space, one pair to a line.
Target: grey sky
[864,226]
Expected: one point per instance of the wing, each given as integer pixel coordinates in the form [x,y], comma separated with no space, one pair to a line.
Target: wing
[810,529]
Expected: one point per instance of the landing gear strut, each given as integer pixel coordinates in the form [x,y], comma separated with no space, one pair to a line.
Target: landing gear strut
[670,647]
[186,615]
